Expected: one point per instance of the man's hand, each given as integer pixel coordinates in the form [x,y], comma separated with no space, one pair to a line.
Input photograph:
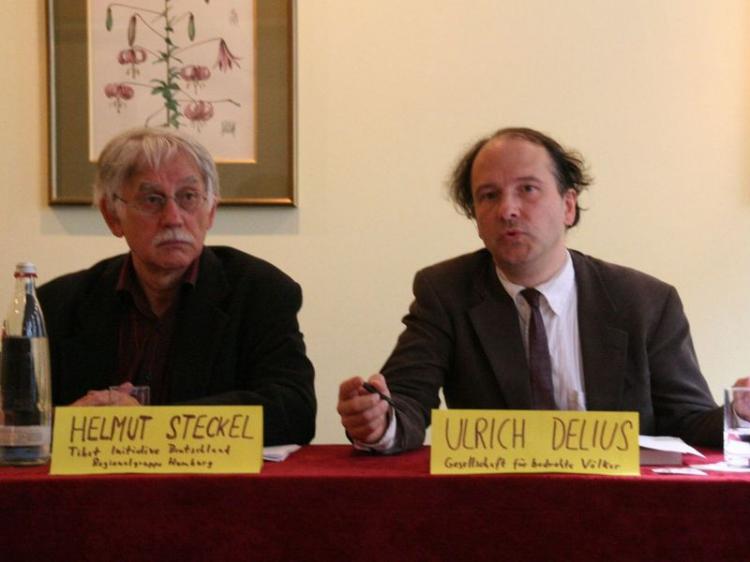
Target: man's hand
[363,415]
[119,397]
[741,403]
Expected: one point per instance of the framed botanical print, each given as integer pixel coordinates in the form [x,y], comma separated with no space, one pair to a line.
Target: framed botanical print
[220,70]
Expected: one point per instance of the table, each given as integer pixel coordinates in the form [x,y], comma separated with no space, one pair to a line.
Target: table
[328,502]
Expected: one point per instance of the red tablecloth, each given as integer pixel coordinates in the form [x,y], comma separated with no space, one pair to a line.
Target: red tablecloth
[329,503]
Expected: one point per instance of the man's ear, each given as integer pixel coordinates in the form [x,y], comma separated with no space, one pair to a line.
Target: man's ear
[111,218]
[570,200]
[212,213]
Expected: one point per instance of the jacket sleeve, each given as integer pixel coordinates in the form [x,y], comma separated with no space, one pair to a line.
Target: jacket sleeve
[682,402]
[272,368]
[418,365]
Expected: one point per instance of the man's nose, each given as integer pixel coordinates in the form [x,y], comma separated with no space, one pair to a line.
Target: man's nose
[508,206]
[171,213]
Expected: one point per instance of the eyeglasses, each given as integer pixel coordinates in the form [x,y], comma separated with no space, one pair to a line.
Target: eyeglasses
[153,203]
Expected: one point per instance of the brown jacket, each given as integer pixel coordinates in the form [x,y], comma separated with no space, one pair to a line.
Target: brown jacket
[462,334]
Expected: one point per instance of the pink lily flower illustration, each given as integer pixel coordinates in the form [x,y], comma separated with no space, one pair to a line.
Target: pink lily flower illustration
[226,60]
[132,56]
[199,112]
[195,75]
[119,92]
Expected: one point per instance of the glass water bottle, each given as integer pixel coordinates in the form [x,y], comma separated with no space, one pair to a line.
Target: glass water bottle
[25,397]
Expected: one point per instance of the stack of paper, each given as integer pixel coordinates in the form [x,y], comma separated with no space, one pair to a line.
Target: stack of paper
[278,453]
[660,450]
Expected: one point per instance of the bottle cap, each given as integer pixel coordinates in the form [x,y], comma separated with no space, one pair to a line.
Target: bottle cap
[25,268]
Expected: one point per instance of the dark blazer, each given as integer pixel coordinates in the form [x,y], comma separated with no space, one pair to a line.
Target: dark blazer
[463,334]
[236,340]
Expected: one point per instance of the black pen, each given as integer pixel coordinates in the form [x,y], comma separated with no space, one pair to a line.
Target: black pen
[372,390]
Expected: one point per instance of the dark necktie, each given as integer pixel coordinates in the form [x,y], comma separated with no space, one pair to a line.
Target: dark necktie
[540,364]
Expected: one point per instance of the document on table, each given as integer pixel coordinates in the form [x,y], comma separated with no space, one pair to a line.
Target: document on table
[669,444]
[663,450]
[279,452]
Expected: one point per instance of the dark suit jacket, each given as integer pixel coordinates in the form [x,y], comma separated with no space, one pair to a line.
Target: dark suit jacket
[236,340]
[463,334]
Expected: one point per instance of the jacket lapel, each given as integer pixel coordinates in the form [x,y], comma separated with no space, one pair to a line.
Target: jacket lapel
[97,321]
[495,321]
[604,345]
[198,333]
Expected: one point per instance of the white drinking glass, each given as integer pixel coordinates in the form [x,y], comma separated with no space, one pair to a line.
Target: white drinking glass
[736,427]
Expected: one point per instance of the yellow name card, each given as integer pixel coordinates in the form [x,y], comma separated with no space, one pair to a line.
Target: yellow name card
[499,441]
[157,440]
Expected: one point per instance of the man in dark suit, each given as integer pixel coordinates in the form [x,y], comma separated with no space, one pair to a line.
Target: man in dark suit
[199,325]
[611,338]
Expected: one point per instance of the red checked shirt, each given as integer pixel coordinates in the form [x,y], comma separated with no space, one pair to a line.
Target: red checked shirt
[144,338]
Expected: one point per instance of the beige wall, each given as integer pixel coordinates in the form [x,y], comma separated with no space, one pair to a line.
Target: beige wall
[653,92]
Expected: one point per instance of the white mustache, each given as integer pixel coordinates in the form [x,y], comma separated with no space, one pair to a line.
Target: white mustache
[173,235]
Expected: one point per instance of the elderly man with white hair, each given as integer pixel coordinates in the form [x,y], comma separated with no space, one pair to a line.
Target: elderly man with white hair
[197,324]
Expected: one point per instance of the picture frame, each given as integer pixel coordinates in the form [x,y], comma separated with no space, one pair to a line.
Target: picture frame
[267,179]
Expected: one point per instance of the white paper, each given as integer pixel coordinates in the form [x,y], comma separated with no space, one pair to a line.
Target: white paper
[664,443]
[688,471]
[279,452]
[720,467]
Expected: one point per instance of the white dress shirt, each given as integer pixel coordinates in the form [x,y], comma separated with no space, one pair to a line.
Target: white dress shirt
[559,308]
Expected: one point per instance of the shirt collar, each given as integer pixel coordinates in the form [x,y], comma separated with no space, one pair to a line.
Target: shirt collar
[127,282]
[557,291]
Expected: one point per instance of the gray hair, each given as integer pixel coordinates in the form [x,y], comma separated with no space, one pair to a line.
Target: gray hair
[135,150]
